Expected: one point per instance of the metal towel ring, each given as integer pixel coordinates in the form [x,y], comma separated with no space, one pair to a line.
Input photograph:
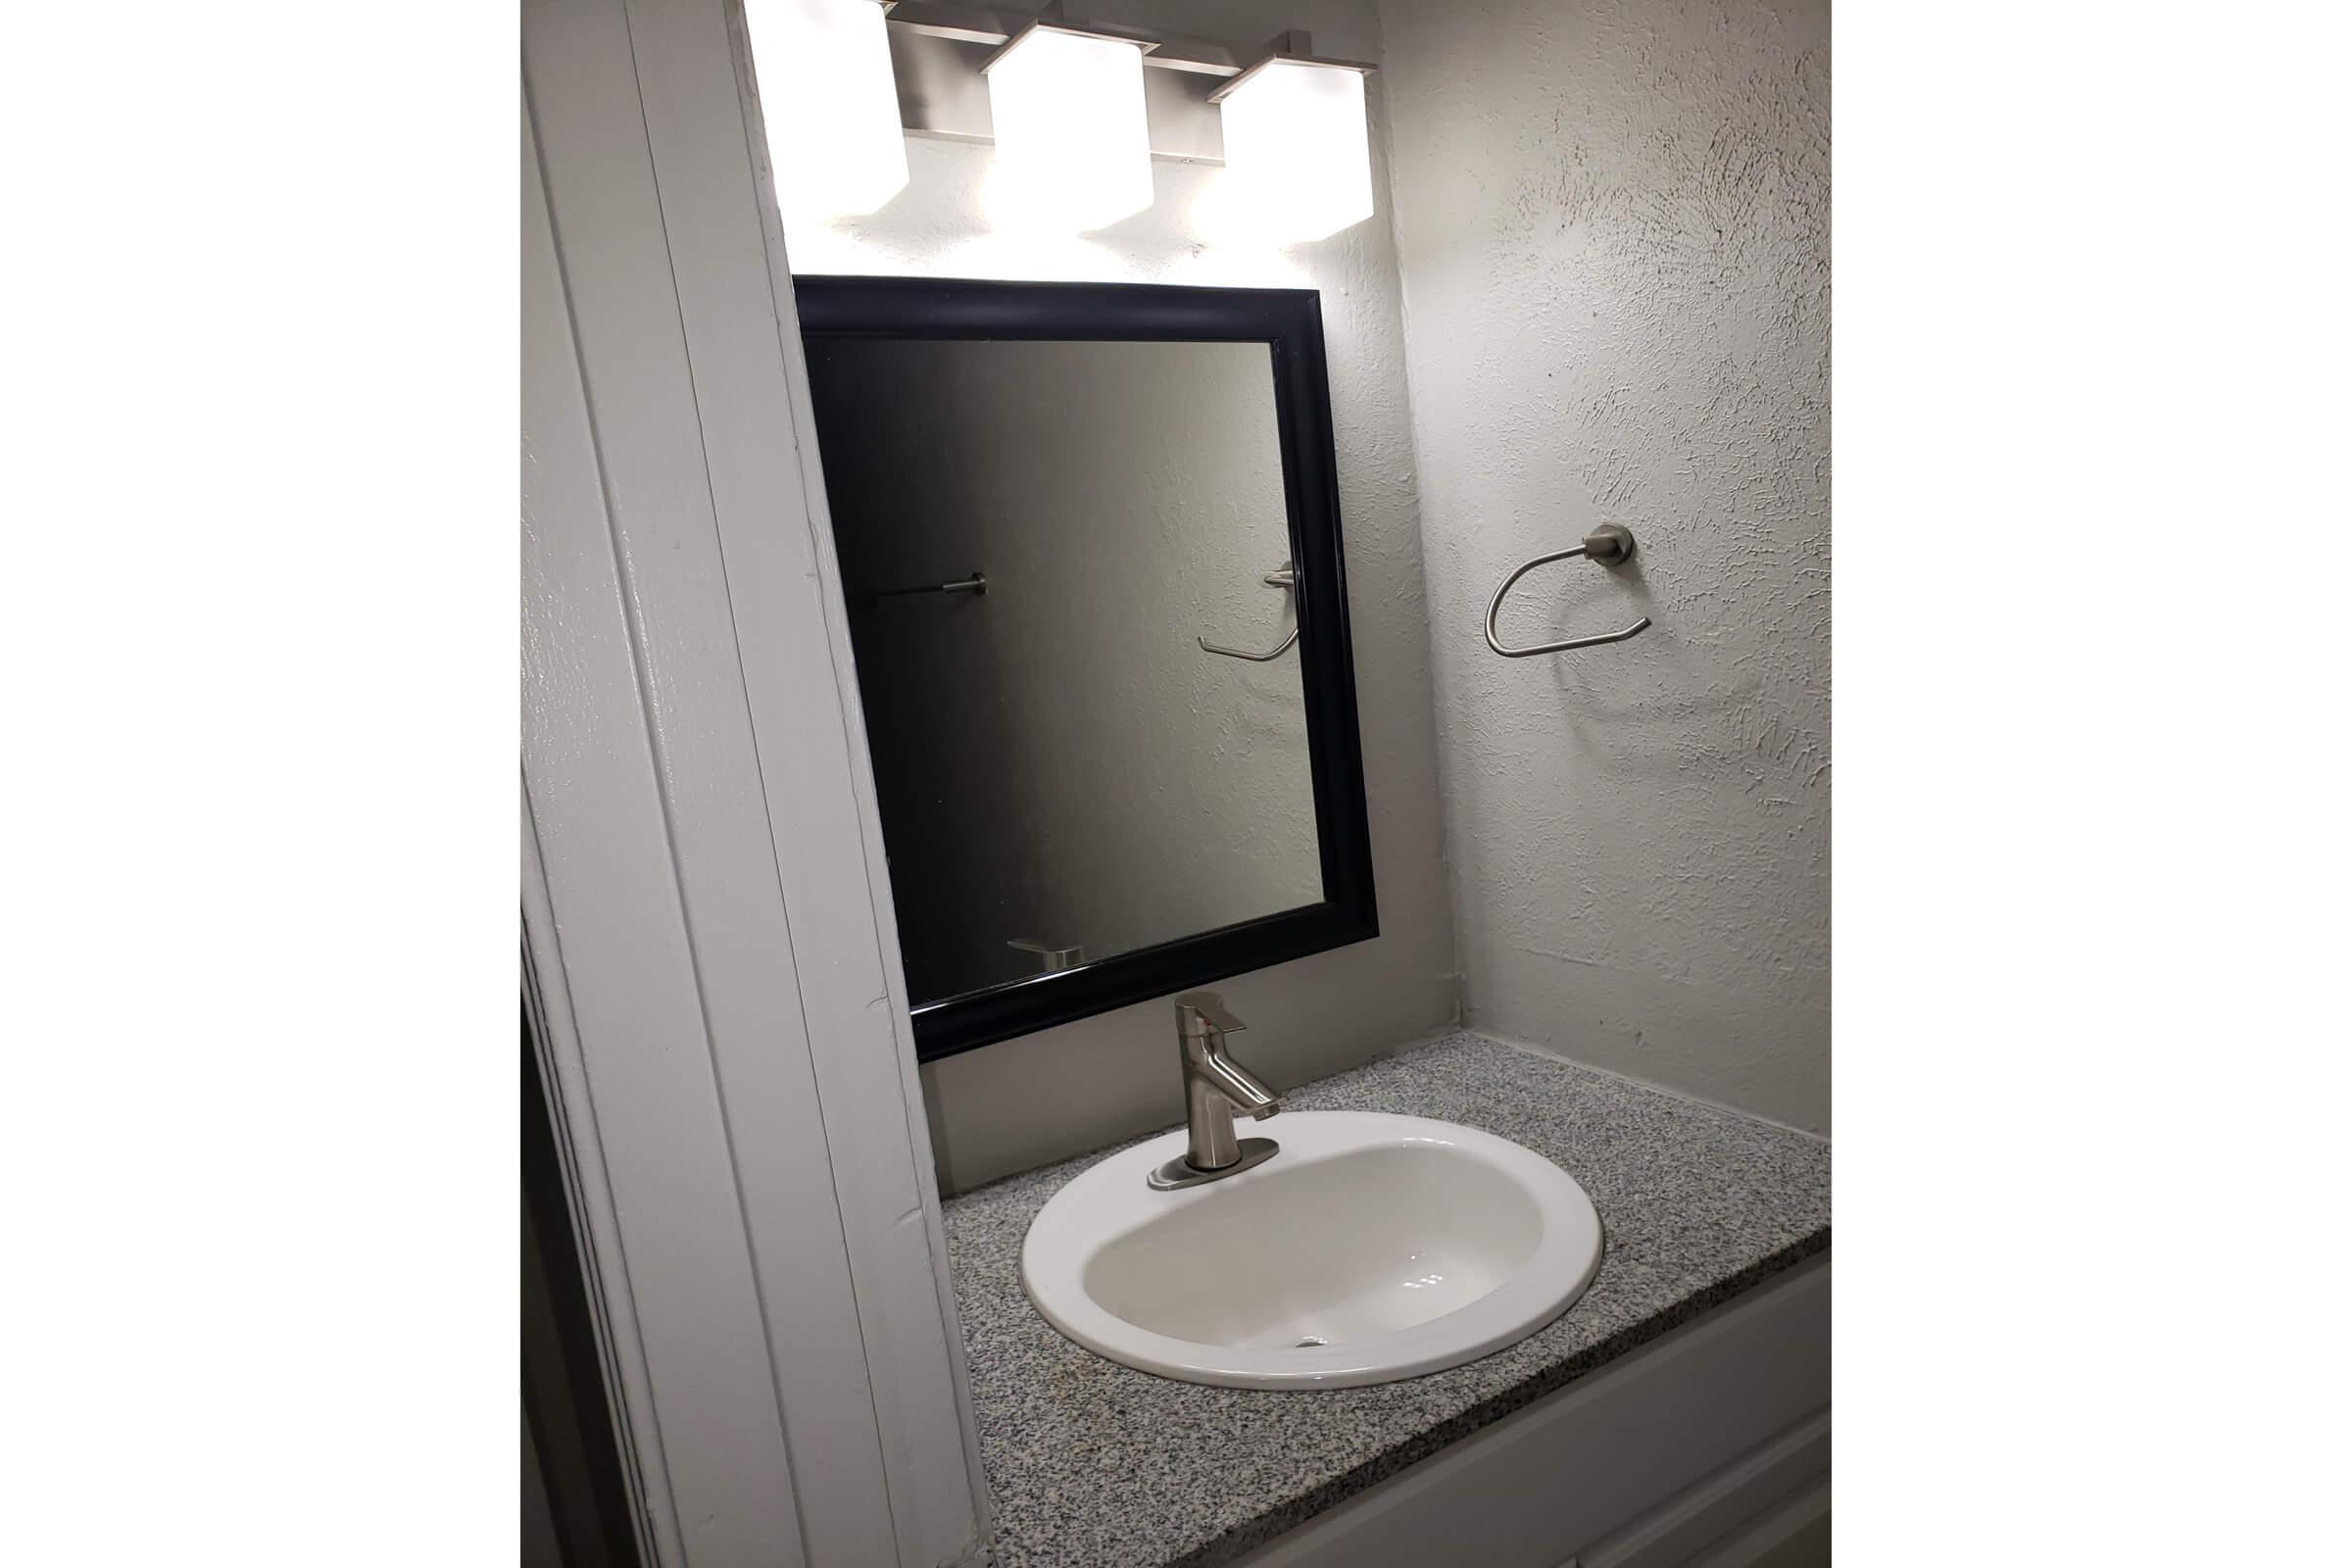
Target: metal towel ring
[1607,544]
[1285,578]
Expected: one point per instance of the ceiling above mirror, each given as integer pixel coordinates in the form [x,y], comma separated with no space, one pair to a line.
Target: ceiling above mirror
[1090,547]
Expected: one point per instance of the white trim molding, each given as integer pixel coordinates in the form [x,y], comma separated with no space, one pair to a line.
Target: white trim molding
[723,1028]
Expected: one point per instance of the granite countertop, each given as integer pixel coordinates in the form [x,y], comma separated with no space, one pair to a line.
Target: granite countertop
[1095,1465]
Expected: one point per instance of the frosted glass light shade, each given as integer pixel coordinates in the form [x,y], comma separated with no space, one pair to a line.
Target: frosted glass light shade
[1297,150]
[831,103]
[1073,148]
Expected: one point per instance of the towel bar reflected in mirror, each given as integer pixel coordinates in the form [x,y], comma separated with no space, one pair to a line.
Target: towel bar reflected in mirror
[1284,577]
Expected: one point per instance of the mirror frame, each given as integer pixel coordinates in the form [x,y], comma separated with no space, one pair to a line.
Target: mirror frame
[1290,321]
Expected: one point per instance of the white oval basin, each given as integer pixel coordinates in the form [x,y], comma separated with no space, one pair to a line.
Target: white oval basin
[1372,1247]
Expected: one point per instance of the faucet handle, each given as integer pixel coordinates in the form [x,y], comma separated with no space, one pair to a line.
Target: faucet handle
[1210,1007]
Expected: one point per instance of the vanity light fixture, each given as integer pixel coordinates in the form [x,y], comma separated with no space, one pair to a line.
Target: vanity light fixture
[1073,147]
[1295,146]
[831,105]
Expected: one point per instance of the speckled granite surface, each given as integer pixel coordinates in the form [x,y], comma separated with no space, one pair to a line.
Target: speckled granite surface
[1095,1465]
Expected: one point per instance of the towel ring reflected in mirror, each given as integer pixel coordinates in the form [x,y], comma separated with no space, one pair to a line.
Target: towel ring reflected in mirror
[1286,578]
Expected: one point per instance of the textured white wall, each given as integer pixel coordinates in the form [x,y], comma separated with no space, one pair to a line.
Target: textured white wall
[1056,758]
[1613,219]
[1021,1102]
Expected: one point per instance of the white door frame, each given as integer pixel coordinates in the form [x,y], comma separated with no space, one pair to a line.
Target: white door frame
[723,1017]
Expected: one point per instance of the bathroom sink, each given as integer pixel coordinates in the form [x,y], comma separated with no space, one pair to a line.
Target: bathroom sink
[1372,1247]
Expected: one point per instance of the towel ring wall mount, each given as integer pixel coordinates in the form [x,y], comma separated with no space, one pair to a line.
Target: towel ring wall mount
[1608,543]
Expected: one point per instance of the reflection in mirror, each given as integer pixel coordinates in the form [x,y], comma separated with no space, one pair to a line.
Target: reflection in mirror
[1036,537]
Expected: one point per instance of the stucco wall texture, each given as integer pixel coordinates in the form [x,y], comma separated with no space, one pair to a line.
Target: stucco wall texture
[1612,221]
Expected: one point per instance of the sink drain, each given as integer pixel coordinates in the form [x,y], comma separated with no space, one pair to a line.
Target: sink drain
[1310,1341]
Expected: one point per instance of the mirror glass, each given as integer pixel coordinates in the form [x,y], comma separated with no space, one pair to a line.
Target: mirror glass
[1074,776]
[1088,549]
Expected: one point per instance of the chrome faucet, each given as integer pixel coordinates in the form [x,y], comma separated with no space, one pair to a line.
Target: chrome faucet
[1215,1086]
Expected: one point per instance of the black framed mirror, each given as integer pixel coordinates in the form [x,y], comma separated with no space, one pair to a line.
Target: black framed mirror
[1090,541]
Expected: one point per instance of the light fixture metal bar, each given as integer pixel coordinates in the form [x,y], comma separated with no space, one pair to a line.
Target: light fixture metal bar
[969,25]
[1296,48]
[1146,45]
[957,23]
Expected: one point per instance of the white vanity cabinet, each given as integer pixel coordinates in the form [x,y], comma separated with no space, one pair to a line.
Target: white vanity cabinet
[1711,1446]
